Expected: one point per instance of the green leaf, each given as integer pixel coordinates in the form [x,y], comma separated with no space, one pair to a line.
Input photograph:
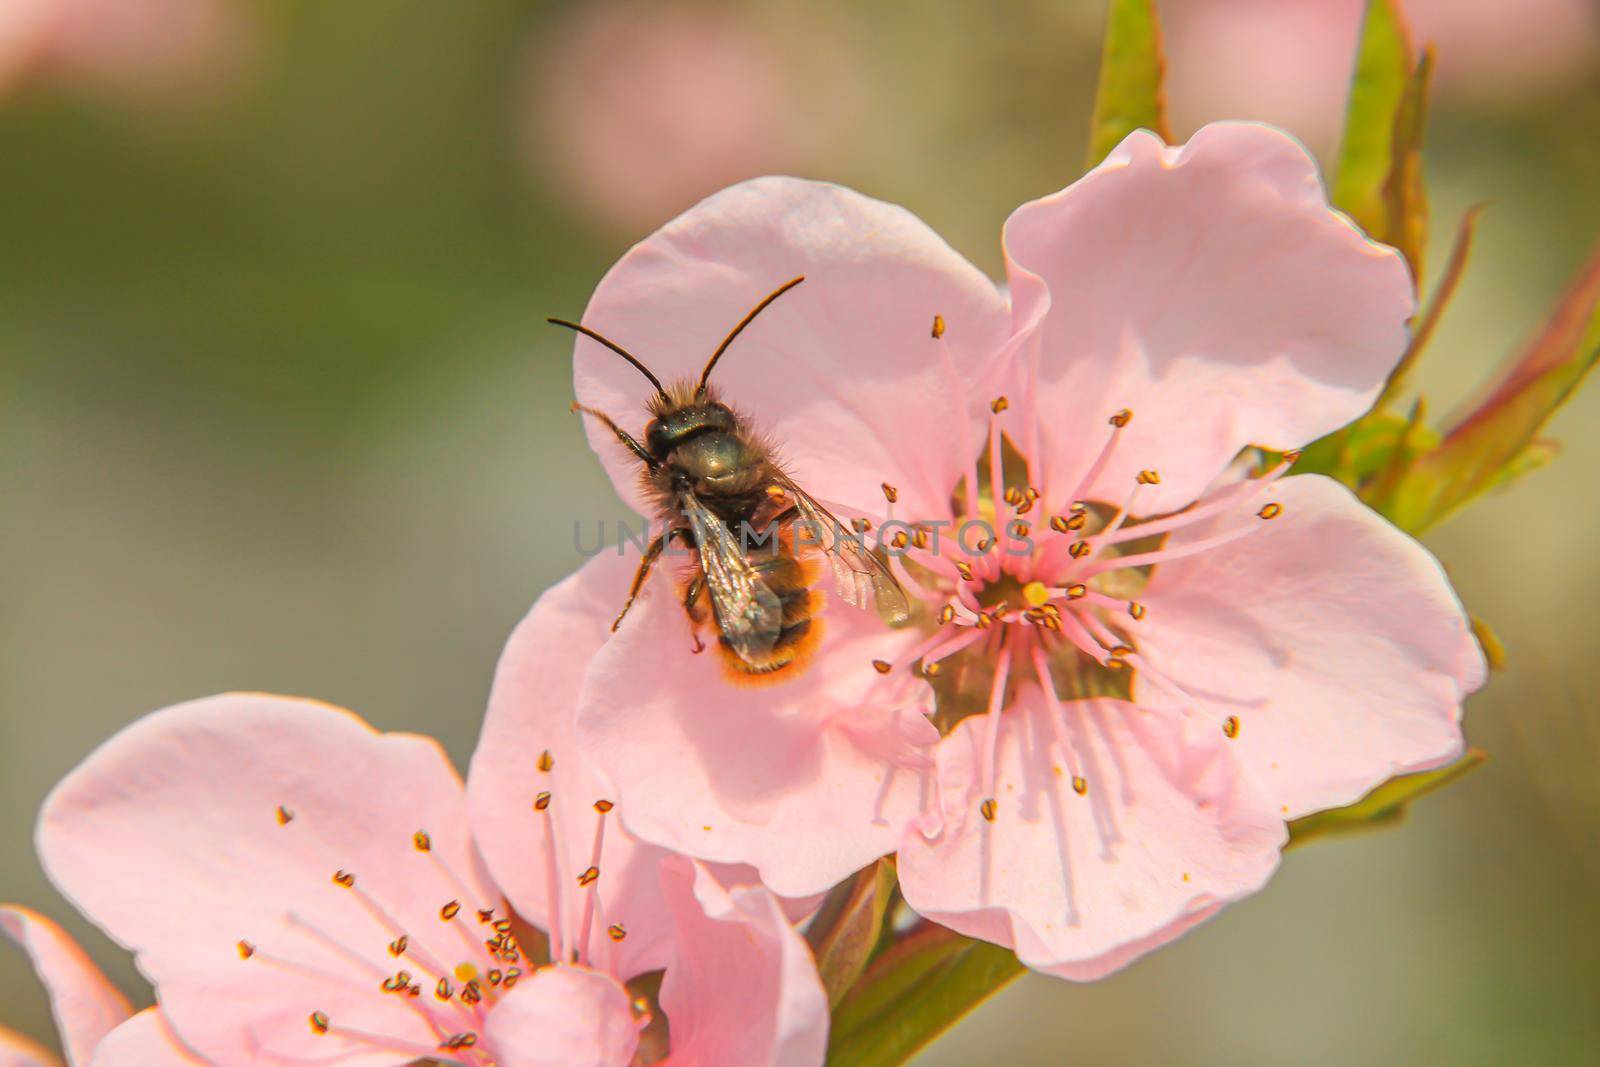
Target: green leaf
[1378,89]
[1359,451]
[1130,95]
[912,993]
[1405,198]
[1428,321]
[1497,438]
[1385,805]
[846,928]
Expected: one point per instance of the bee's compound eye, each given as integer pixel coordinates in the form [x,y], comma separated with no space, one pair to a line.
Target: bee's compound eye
[656,439]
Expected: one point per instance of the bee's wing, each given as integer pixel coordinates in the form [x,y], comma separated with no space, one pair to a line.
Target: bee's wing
[860,577]
[749,614]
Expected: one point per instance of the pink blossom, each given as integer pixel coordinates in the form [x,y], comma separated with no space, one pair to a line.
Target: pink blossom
[138,47]
[639,109]
[96,1024]
[1276,650]
[1290,63]
[301,888]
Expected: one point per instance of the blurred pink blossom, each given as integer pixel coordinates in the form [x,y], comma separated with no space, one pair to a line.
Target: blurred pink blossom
[1288,62]
[639,109]
[126,48]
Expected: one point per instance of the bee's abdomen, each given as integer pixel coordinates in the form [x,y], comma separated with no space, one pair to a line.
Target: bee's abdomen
[789,579]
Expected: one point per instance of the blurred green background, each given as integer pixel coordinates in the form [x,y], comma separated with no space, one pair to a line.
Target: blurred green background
[278,411]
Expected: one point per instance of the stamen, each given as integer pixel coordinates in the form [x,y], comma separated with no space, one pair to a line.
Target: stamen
[890,493]
[546,761]
[991,737]
[1086,483]
[421,841]
[284,816]
[1230,727]
[938,327]
[1271,511]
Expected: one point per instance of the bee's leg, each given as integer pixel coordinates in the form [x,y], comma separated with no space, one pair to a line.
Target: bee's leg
[690,595]
[622,435]
[647,561]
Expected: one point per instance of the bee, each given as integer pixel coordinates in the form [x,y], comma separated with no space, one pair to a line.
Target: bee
[716,482]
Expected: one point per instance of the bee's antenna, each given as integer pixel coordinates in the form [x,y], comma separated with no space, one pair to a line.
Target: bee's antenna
[705,375]
[618,349]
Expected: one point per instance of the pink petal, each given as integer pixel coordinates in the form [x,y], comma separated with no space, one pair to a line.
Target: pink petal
[532,708]
[19,1051]
[171,838]
[792,777]
[1332,636]
[85,1003]
[565,1016]
[1211,290]
[843,372]
[146,1040]
[1081,885]
[743,990]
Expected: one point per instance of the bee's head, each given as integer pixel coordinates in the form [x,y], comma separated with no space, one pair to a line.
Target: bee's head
[683,417]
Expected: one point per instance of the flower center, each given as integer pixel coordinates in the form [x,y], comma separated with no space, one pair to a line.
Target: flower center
[1042,582]
[452,973]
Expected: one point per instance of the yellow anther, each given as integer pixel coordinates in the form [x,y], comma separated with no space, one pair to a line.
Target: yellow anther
[860,526]
[246,950]
[1036,594]
[546,761]
[486,915]
[422,841]
[542,801]
[1080,785]
[1271,511]
[1033,494]
[938,327]
[444,990]
[965,570]
[1149,478]
[900,540]
[1136,609]
[1078,520]
[1014,496]
[398,946]
[603,806]
[319,1022]
[1020,529]
[882,666]
[450,910]
[1230,727]
[999,404]
[588,876]
[890,493]
[947,614]
[284,815]
[494,977]
[1058,523]
[459,1041]
[931,670]
[616,931]
[989,808]
[985,545]
[1079,549]
[1122,418]
[921,539]
[985,620]
[344,878]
